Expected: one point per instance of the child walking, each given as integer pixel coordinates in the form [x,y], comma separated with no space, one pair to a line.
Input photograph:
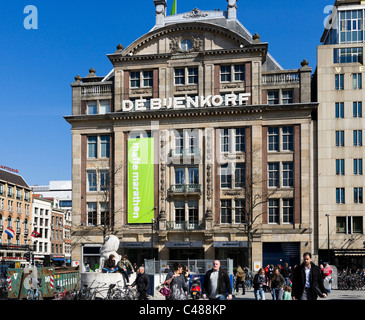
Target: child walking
[287,293]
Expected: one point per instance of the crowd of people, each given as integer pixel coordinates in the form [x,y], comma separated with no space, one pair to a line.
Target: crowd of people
[306,281]
[302,282]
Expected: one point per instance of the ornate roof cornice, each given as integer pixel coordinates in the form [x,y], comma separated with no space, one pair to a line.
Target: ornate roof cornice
[129,54]
[195,112]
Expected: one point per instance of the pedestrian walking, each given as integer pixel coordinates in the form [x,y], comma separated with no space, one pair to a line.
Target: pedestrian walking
[285,271]
[276,285]
[217,283]
[259,282]
[240,279]
[287,293]
[307,280]
[142,282]
[327,276]
[177,283]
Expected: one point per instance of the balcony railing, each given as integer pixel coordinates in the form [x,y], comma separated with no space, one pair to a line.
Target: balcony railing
[185,225]
[191,152]
[280,77]
[185,188]
[96,90]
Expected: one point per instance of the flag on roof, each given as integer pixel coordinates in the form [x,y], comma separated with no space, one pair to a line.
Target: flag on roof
[35,234]
[10,232]
[173,10]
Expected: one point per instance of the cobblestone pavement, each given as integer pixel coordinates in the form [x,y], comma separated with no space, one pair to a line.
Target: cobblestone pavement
[334,295]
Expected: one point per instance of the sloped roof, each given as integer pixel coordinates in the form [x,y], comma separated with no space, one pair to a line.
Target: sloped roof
[13,178]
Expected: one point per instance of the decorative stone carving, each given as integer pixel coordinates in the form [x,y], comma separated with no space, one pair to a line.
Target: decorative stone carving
[195,13]
[175,44]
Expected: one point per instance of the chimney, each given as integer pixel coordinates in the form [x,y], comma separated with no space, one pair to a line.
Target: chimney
[161,6]
[232,9]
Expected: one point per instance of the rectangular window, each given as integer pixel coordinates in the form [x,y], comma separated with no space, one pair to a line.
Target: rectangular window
[357,135]
[358,166]
[104,107]
[288,138]
[273,138]
[226,211]
[92,107]
[179,142]
[340,224]
[104,180]
[349,225]
[347,55]
[147,79]
[105,146]
[179,214]
[357,109]
[339,110]
[274,213]
[287,97]
[92,147]
[351,26]
[239,175]
[358,195]
[356,81]
[340,195]
[193,175]
[180,76]
[239,72]
[357,225]
[91,180]
[225,140]
[239,211]
[179,176]
[104,214]
[135,79]
[339,81]
[193,207]
[193,75]
[226,176]
[288,174]
[340,138]
[273,174]
[288,211]
[273,97]
[92,214]
[240,139]
[226,74]
[340,167]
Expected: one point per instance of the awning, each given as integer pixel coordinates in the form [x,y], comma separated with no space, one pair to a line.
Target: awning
[58,259]
[347,253]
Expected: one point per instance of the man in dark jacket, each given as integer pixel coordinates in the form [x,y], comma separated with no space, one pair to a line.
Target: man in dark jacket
[308,281]
[216,283]
[142,282]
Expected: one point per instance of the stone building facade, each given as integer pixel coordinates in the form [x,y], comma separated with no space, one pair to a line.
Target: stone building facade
[340,81]
[232,141]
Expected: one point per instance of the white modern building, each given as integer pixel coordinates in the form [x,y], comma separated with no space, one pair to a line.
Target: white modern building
[41,223]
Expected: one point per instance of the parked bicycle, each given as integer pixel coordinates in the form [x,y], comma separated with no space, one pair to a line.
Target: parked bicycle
[34,294]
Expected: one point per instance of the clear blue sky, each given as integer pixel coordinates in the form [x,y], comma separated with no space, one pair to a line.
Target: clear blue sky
[38,66]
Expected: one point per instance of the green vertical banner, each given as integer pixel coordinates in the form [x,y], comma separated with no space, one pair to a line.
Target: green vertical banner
[141,180]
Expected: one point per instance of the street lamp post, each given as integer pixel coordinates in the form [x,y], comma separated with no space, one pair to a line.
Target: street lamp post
[152,224]
[328,237]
